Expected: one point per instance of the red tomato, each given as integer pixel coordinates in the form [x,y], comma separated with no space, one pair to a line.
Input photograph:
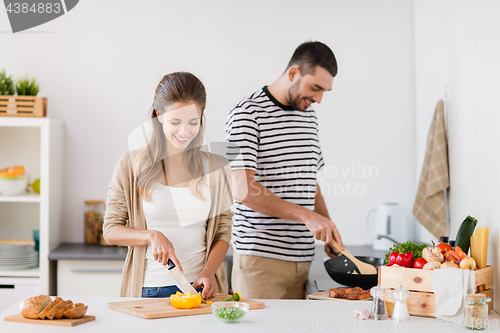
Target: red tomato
[419,263]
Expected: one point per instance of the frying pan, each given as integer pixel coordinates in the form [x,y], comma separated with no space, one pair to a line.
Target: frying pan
[338,267]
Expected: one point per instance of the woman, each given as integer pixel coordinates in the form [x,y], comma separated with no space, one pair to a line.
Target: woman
[171,200]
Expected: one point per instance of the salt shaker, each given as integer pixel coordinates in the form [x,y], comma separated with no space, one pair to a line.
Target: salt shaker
[400,312]
[379,310]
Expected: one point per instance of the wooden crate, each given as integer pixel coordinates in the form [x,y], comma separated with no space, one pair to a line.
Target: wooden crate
[23,106]
[419,282]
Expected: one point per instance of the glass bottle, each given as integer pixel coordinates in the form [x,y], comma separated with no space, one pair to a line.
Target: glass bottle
[476,311]
[93,220]
[379,310]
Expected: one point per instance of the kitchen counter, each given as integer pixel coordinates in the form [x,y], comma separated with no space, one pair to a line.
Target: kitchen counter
[277,316]
[80,251]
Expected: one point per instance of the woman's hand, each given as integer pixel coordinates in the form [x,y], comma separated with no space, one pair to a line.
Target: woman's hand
[206,281]
[163,249]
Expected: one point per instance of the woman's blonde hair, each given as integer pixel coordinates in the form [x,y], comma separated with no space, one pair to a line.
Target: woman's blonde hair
[174,87]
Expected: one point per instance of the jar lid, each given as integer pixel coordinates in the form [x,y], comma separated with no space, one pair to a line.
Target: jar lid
[400,293]
[476,295]
[379,291]
[93,202]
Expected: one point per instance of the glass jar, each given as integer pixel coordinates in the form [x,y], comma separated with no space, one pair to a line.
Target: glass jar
[93,220]
[476,311]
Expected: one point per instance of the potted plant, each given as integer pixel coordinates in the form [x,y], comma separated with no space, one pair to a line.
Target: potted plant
[25,103]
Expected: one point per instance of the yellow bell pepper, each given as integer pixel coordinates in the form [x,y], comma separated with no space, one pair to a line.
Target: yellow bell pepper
[185,301]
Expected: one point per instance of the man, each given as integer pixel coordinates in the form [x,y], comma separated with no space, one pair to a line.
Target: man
[275,156]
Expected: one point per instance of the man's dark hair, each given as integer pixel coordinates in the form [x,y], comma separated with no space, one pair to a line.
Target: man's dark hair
[308,55]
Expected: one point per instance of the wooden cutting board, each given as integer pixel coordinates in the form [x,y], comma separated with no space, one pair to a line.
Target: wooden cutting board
[150,308]
[57,322]
[324,295]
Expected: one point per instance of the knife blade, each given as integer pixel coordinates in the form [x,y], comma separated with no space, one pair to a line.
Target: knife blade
[180,280]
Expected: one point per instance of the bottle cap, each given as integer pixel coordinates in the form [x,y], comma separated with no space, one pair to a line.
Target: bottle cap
[452,243]
[443,239]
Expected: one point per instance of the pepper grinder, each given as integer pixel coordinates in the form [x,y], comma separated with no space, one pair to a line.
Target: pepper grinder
[400,312]
[379,310]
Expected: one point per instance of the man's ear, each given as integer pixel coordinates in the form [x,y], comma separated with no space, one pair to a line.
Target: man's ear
[293,72]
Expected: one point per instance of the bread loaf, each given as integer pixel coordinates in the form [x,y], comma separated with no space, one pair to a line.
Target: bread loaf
[31,307]
[43,307]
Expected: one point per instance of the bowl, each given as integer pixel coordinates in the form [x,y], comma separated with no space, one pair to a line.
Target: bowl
[12,185]
[230,312]
[342,270]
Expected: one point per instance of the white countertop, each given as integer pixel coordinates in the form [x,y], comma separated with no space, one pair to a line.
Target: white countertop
[278,316]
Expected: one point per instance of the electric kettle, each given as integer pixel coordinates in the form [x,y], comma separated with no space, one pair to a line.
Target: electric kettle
[390,225]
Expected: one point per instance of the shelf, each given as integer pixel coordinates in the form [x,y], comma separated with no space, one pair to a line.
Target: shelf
[30,272]
[24,121]
[20,198]
[45,155]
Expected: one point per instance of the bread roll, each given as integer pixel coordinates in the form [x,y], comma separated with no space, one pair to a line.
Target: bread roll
[31,307]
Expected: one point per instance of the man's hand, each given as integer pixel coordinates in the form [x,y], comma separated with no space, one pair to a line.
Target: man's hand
[323,229]
[331,251]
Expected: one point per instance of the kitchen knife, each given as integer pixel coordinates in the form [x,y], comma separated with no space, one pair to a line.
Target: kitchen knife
[180,280]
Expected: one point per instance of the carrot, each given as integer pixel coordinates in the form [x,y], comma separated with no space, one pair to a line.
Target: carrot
[460,252]
[453,254]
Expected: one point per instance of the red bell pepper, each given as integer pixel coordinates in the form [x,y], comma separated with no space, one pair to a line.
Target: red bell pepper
[392,258]
[403,260]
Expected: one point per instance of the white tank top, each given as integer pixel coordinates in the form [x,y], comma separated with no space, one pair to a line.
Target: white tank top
[182,218]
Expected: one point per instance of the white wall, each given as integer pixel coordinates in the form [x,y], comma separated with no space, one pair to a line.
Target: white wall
[100,64]
[457,44]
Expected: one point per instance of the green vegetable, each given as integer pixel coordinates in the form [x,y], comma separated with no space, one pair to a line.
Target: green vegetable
[408,246]
[465,232]
[6,84]
[229,314]
[235,297]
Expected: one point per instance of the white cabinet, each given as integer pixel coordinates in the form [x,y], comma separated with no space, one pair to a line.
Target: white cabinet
[89,277]
[13,289]
[37,144]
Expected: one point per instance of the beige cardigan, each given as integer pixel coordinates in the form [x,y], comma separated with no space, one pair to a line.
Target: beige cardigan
[124,207]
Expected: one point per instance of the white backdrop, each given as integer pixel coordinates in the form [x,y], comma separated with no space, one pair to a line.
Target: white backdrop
[457,45]
[100,64]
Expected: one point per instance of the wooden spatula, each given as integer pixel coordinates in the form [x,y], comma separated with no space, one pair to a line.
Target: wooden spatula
[363,267]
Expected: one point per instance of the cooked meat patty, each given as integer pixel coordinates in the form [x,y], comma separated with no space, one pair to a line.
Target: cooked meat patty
[349,293]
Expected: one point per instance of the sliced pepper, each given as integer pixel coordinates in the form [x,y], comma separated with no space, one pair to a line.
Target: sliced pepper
[185,301]
[235,297]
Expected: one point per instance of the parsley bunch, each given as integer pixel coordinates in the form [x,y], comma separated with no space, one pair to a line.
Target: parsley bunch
[408,246]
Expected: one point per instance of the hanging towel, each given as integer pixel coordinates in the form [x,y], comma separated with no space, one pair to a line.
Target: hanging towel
[429,207]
